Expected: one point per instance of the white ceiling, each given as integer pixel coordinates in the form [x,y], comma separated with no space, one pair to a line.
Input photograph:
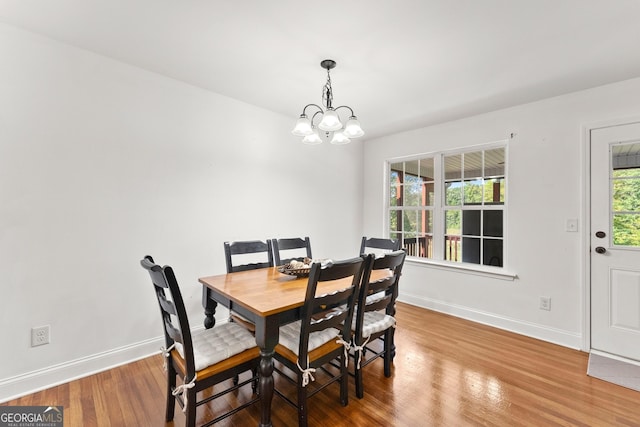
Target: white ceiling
[402,64]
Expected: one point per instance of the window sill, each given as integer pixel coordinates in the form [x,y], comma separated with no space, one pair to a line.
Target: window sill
[479,270]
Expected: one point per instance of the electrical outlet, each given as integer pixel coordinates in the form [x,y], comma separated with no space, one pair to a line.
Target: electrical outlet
[40,335]
[545,303]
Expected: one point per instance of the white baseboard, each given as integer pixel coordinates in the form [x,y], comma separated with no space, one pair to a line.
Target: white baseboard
[31,382]
[541,332]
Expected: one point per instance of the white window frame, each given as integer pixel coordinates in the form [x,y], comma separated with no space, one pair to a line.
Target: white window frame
[439,210]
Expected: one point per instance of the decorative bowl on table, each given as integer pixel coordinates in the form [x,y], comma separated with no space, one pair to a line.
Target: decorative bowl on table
[297,268]
[300,268]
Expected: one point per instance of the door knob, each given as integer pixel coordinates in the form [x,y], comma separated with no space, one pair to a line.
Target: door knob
[600,250]
[600,234]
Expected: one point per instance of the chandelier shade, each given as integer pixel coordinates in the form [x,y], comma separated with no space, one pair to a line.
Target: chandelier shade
[313,138]
[302,127]
[352,129]
[330,121]
[326,122]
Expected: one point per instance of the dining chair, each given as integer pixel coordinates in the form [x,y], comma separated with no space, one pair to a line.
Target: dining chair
[246,255]
[374,316]
[322,334]
[202,358]
[379,245]
[296,245]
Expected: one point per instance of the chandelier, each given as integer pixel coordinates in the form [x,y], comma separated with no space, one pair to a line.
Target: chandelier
[328,122]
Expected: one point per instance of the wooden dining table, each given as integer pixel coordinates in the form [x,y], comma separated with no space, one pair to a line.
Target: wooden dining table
[269,299]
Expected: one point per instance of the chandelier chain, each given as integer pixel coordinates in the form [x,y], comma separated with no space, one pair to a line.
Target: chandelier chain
[327,92]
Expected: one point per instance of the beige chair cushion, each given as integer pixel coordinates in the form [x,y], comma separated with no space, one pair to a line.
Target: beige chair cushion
[290,337]
[374,321]
[214,345]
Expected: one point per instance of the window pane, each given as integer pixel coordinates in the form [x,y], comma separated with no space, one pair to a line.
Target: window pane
[625,159]
[409,222]
[492,223]
[494,162]
[626,173]
[398,168]
[410,245]
[492,252]
[412,168]
[452,167]
[452,248]
[394,195]
[626,194]
[471,223]
[429,193]
[412,191]
[626,229]
[425,246]
[494,191]
[471,250]
[395,220]
[473,165]
[453,193]
[394,177]
[473,192]
[426,169]
[452,222]
[425,222]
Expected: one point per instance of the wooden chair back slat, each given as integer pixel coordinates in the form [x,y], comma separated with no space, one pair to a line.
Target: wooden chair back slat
[286,245]
[247,247]
[379,243]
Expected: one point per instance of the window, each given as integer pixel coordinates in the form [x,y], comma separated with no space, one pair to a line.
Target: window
[625,194]
[450,206]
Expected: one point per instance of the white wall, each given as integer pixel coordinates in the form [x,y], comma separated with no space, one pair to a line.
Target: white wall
[102,163]
[545,188]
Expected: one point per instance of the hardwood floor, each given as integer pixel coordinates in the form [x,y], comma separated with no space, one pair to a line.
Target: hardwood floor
[447,372]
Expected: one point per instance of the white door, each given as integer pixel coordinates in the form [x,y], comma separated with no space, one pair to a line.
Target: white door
[615,240]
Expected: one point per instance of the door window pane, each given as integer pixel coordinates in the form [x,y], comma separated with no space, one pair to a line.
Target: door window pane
[626,230]
[626,194]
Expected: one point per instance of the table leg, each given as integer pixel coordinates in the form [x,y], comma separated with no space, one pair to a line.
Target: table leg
[209,305]
[265,385]
[266,337]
